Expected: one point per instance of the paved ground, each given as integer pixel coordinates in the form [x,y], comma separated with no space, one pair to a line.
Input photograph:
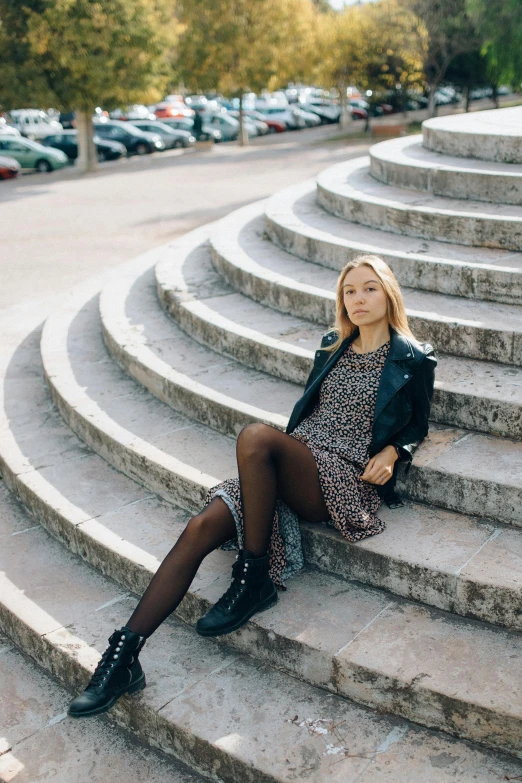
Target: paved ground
[39,745]
[59,229]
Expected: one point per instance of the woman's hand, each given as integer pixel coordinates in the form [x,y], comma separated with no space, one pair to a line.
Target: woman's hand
[380,467]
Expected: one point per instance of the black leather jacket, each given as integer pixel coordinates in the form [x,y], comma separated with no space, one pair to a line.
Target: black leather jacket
[403,399]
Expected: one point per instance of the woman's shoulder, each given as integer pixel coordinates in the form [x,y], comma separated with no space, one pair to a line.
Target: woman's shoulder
[328,338]
[423,354]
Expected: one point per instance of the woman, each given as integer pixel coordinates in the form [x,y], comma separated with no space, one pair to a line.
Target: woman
[365,407]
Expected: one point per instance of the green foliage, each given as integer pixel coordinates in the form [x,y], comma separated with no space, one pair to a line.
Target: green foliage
[499,23]
[468,70]
[374,46]
[450,32]
[234,45]
[21,82]
[89,52]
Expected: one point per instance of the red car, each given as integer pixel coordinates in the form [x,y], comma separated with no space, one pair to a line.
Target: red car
[275,126]
[9,168]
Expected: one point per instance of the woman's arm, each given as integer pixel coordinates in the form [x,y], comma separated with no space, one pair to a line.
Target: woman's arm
[380,467]
[411,436]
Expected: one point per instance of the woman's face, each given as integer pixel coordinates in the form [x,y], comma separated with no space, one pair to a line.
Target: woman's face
[364,296]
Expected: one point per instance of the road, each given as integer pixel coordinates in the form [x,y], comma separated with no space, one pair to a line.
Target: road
[58,229]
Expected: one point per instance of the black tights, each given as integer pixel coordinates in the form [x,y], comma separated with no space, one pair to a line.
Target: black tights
[271,465]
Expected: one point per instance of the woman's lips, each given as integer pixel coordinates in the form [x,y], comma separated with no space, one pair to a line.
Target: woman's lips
[360,312]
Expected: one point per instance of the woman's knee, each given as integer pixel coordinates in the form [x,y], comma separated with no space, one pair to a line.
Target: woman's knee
[212,526]
[198,531]
[255,440]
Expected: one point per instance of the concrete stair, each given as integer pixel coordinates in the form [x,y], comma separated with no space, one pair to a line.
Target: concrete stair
[295,222]
[116,423]
[40,744]
[221,712]
[326,634]
[486,136]
[406,163]
[349,191]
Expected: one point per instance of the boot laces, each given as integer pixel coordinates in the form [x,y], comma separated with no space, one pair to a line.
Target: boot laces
[236,589]
[109,660]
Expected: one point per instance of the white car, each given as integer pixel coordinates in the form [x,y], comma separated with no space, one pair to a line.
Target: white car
[292,117]
[34,123]
[8,130]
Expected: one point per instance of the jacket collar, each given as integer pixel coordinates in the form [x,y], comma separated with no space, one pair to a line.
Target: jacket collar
[401,347]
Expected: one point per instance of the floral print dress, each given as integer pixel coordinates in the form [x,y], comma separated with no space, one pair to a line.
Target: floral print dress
[338,432]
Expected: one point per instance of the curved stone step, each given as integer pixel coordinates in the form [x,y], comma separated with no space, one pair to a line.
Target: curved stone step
[185,374]
[295,222]
[40,743]
[349,191]
[406,163]
[478,330]
[340,636]
[223,714]
[201,302]
[486,135]
[477,395]
[410,572]
[200,322]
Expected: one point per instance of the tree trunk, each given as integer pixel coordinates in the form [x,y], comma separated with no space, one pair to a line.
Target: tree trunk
[87,158]
[432,106]
[495,95]
[466,96]
[243,135]
[345,117]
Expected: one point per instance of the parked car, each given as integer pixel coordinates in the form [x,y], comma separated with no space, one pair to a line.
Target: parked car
[175,109]
[135,112]
[33,123]
[173,137]
[137,142]
[68,119]
[290,115]
[187,124]
[228,125]
[32,155]
[259,124]
[326,111]
[312,120]
[9,168]
[8,130]
[273,125]
[67,141]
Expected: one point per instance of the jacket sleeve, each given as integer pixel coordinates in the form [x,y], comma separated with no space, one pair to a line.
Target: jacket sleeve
[411,436]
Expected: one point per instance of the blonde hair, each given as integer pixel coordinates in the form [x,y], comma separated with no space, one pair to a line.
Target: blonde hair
[395,310]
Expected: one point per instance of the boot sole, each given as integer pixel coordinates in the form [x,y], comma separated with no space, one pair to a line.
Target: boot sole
[139,685]
[266,604]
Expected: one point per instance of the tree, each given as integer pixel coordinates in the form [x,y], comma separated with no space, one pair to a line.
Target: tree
[236,46]
[468,71]
[20,80]
[377,46]
[91,52]
[451,32]
[499,24]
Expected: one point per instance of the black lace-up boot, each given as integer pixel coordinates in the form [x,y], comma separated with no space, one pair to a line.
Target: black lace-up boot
[118,672]
[251,591]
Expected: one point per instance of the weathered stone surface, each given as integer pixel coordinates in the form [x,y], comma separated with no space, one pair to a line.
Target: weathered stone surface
[406,163]
[220,712]
[488,135]
[295,222]
[41,744]
[347,190]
